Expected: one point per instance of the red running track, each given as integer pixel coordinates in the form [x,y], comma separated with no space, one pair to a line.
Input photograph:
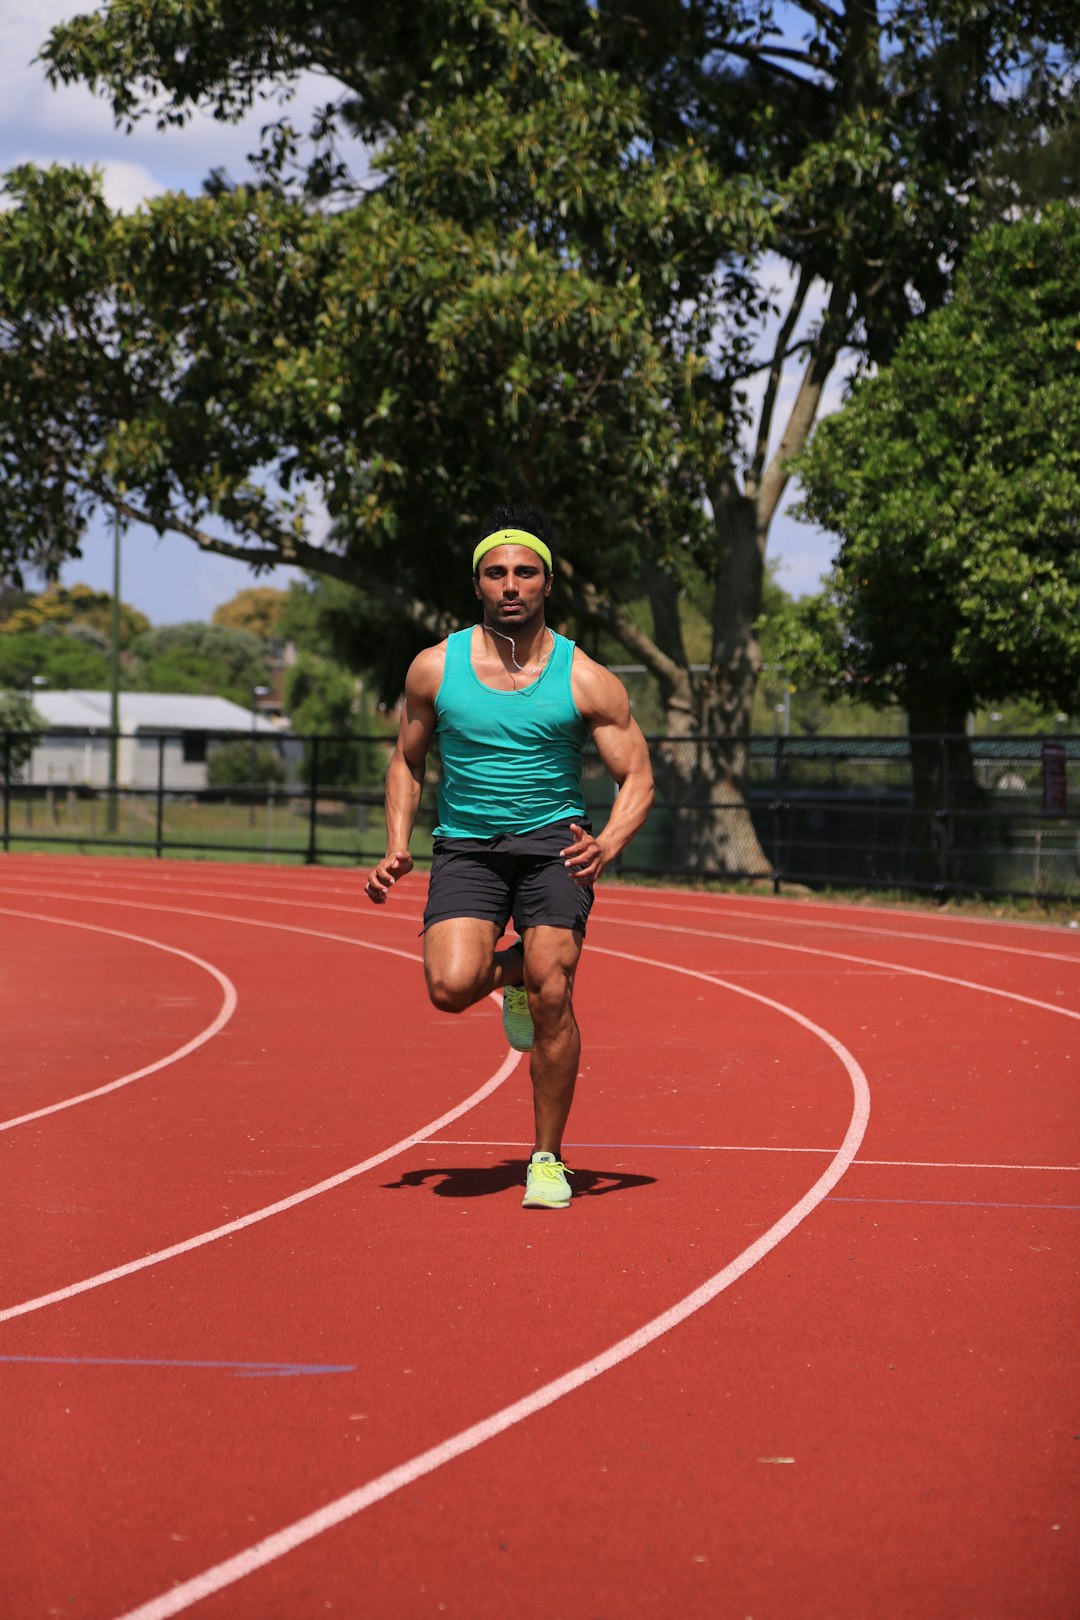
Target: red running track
[277,1340]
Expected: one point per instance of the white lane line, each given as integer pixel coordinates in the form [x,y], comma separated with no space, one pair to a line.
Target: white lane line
[200,1241]
[774,908]
[891,934]
[620,899]
[749,1147]
[346,1507]
[225,1012]
[810,909]
[292,928]
[644,1147]
[626,922]
[844,956]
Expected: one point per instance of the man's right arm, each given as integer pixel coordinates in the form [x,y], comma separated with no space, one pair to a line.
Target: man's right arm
[405,773]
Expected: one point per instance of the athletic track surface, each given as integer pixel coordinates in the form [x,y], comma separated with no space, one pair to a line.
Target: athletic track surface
[277,1340]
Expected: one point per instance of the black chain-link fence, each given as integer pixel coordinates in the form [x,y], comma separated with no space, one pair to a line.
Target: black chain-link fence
[980,815]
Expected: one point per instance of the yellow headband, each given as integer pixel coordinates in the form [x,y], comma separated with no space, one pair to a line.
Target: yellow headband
[511,537]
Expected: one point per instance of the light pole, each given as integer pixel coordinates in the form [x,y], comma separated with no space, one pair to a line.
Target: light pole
[257,692]
[112,807]
[36,684]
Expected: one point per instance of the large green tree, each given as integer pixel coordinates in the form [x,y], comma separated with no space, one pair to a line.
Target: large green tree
[552,290]
[953,481]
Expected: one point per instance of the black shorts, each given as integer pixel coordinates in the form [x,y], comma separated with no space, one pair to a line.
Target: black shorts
[518,875]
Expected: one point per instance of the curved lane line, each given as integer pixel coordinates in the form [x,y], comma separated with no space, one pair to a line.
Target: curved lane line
[506,1068]
[843,956]
[815,905]
[305,1193]
[620,899]
[862,928]
[225,1012]
[346,1507]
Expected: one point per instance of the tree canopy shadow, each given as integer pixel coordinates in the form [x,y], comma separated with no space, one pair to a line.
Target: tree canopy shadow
[482,1181]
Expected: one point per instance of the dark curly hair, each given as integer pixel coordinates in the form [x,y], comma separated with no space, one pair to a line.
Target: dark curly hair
[531,518]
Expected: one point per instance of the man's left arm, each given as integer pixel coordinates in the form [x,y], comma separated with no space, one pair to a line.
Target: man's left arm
[603,703]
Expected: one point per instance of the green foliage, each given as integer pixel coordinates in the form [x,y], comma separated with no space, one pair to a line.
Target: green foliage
[242,764]
[198,658]
[953,480]
[342,624]
[61,661]
[259,609]
[321,699]
[62,635]
[299,617]
[20,727]
[72,608]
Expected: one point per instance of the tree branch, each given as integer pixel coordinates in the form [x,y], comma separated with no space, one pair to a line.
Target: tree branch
[749,53]
[586,600]
[776,371]
[829,20]
[299,554]
[807,400]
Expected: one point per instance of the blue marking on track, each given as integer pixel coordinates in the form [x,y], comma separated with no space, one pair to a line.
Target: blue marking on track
[946,1203]
[239,1369]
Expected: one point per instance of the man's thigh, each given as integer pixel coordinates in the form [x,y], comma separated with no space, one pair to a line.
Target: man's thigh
[551,956]
[458,952]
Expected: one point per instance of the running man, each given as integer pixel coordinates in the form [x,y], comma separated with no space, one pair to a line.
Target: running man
[513,705]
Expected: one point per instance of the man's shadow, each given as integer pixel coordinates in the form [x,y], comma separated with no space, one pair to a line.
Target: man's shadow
[482,1181]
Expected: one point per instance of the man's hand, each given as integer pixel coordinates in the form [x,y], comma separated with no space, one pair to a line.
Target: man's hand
[584,858]
[382,878]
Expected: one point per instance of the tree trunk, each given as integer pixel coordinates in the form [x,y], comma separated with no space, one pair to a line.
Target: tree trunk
[703,763]
[948,799]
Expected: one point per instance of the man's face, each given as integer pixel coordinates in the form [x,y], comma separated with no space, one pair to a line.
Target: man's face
[513,587]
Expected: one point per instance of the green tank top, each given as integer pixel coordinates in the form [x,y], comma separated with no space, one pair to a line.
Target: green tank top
[511,761]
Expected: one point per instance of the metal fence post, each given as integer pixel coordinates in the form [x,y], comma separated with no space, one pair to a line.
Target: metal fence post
[944,818]
[7,791]
[159,835]
[313,788]
[777,808]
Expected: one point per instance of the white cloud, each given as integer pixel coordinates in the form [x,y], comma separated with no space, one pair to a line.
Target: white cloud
[126,185]
[72,125]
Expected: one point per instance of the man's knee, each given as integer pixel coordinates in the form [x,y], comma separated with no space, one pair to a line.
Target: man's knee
[550,996]
[451,995]
[458,962]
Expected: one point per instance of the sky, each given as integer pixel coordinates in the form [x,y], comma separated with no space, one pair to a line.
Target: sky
[167,578]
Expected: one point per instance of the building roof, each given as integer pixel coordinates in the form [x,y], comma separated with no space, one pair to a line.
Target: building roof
[148,711]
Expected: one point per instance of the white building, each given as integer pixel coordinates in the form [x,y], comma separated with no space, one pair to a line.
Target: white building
[159,731]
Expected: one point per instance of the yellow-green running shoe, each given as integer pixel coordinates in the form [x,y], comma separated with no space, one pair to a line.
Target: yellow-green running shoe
[546,1186]
[517,1019]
